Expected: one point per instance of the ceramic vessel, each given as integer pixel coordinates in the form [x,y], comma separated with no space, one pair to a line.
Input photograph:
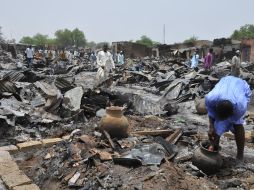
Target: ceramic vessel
[208,161]
[115,123]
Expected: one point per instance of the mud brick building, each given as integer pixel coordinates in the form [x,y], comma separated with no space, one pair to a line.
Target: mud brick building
[131,50]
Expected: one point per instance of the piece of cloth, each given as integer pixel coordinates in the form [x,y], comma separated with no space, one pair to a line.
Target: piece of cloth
[194,61]
[208,61]
[101,76]
[29,53]
[235,66]
[120,59]
[235,90]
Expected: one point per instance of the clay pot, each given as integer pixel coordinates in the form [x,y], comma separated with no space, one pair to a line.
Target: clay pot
[115,123]
[200,106]
[208,161]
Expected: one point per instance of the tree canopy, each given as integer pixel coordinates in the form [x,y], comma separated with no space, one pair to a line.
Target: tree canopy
[64,38]
[38,39]
[67,37]
[192,39]
[144,40]
[245,32]
[91,44]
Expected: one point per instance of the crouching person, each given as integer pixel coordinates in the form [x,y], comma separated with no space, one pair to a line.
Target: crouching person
[226,105]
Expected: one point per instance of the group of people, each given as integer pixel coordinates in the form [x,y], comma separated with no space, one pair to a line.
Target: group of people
[209,60]
[49,55]
[117,58]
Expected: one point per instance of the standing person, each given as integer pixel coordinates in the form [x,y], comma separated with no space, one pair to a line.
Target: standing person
[76,54]
[226,105]
[29,56]
[236,64]
[208,60]
[195,60]
[120,58]
[62,55]
[105,65]
[93,59]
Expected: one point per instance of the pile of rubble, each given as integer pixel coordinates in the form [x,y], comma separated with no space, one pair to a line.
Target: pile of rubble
[159,97]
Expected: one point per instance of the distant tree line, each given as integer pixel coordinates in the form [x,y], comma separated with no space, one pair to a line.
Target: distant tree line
[76,38]
[63,38]
[245,32]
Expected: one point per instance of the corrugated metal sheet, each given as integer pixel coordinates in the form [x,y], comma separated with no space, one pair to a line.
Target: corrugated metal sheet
[13,76]
[7,86]
[62,83]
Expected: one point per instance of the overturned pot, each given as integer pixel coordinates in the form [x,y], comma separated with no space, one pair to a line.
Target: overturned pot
[209,162]
[115,123]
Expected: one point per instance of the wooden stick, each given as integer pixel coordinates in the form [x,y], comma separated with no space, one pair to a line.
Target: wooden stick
[154,133]
[109,139]
[173,138]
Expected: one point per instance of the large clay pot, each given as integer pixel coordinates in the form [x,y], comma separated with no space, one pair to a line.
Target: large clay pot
[115,123]
[208,161]
[200,106]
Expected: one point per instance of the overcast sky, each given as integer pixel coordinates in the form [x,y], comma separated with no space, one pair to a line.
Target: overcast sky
[120,20]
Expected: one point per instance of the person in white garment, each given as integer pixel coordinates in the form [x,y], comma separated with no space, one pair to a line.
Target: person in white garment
[236,64]
[120,58]
[105,65]
[29,56]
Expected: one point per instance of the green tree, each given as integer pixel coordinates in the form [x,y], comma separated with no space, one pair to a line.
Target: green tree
[51,41]
[63,38]
[27,40]
[144,40]
[40,39]
[78,38]
[245,32]
[91,44]
[192,39]
[67,38]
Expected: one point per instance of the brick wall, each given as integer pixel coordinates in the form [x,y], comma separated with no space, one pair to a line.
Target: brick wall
[249,42]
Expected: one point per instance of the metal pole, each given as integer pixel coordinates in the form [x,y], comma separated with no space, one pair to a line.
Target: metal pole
[164,34]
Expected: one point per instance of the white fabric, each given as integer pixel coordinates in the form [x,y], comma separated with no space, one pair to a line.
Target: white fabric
[101,76]
[69,56]
[29,53]
[76,54]
[53,54]
[105,59]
